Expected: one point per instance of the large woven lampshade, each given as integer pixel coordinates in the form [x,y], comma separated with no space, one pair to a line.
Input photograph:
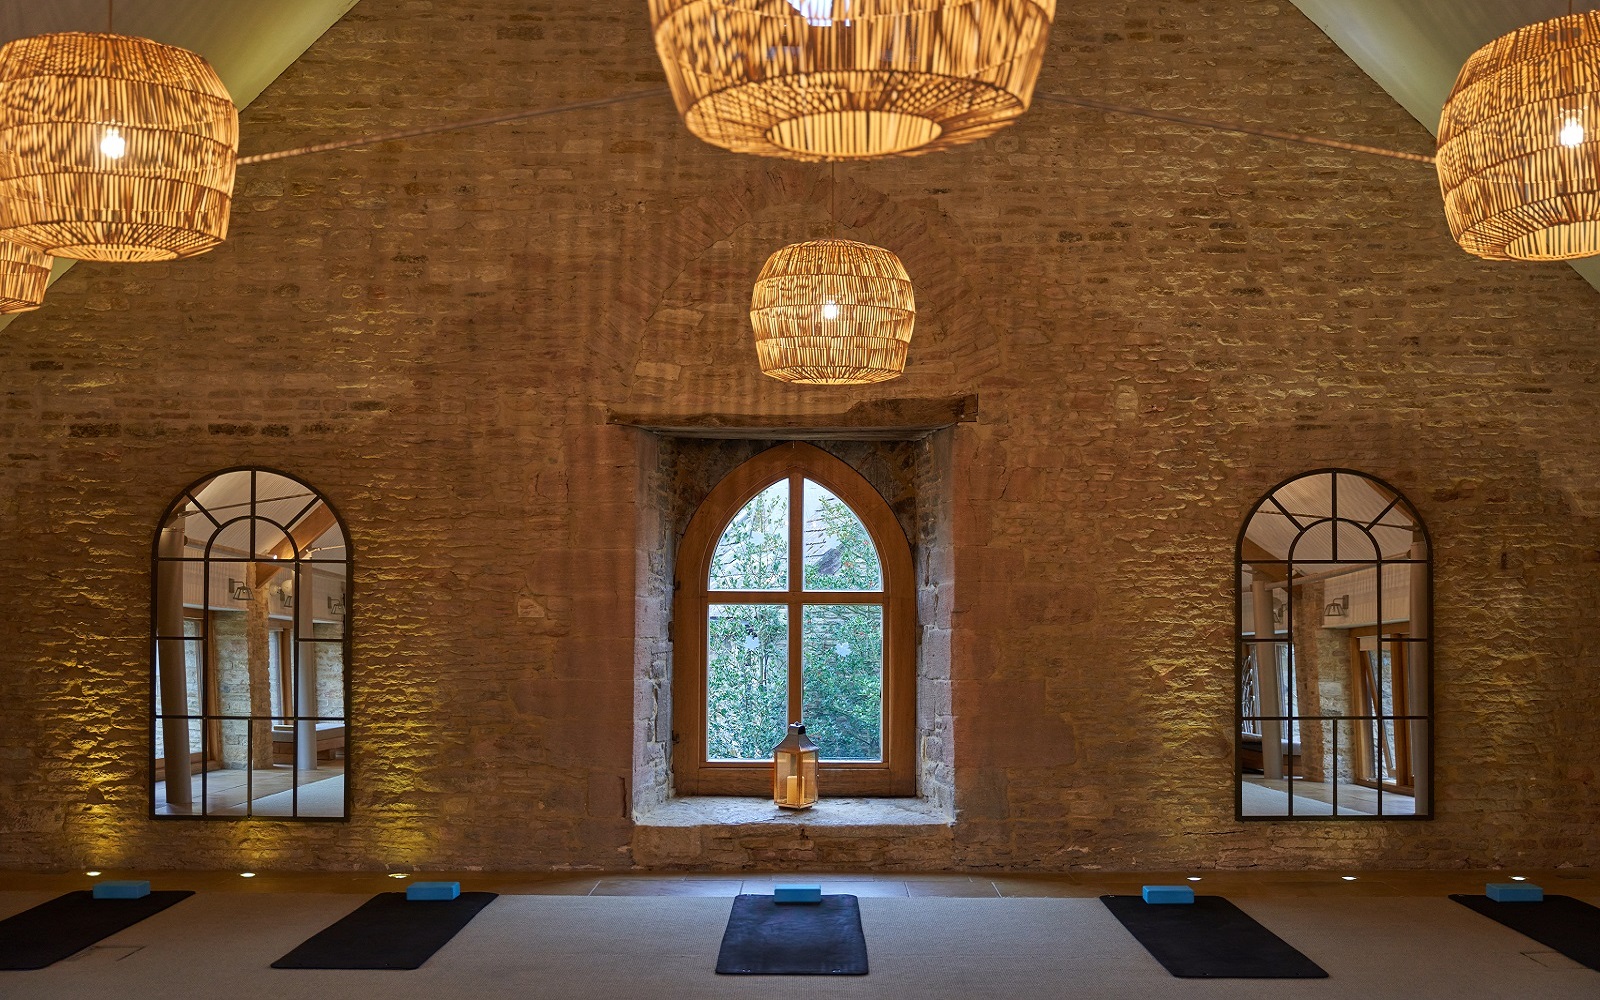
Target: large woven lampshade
[24,273]
[849,79]
[114,148]
[1519,144]
[832,312]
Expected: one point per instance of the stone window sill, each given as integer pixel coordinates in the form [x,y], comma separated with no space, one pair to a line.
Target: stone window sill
[717,811]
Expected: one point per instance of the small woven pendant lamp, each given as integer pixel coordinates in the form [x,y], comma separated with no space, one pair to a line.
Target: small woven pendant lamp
[24,273]
[849,79]
[832,312]
[1519,144]
[114,148]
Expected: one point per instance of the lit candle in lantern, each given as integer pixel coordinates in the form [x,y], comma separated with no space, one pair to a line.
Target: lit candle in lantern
[794,770]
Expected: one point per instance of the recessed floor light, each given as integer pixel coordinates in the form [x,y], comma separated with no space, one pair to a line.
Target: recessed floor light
[398,875]
[1194,878]
[91,874]
[1514,878]
[247,874]
[1348,878]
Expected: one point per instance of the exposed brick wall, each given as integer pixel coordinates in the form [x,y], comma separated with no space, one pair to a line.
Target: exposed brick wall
[1160,324]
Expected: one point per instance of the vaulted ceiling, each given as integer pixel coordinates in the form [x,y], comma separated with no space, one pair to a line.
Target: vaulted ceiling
[1413,49]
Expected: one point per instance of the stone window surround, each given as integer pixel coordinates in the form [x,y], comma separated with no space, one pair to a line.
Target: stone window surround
[680,461]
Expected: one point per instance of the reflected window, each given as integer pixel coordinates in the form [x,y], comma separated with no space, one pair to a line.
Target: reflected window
[795,605]
[1334,654]
[250,654]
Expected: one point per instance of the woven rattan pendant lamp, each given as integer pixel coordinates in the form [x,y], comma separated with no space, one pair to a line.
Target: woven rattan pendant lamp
[833,312]
[849,79]
[113,148]
[1519,144]
[24,273]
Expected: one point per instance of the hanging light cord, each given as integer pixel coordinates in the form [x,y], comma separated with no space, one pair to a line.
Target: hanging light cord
[412,133]
[1312,140]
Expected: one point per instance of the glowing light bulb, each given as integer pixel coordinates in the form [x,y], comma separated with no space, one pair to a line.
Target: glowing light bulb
[817,12]
[91,874]
[1514,878]
[247,874]
[1348,878]
[830,310]
[113,145]
[1194,878]
[398,875]
[1572,133]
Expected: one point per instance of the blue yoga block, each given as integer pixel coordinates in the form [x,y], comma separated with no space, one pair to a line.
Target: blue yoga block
[797,894]
[1168,894]
[121,890]
[433,890]
[1514,892]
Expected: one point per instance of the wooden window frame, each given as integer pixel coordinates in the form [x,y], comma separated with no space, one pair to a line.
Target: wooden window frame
[795,461]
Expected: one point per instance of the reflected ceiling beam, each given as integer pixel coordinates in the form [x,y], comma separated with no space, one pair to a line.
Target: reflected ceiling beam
[1415,49]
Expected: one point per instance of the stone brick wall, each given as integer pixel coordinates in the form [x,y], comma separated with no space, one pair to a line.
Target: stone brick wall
[1160,324]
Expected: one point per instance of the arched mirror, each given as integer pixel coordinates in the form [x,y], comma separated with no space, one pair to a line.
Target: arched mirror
[251,650]
[1333,653]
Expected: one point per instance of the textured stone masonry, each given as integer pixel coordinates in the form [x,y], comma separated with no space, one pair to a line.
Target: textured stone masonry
[1158,324]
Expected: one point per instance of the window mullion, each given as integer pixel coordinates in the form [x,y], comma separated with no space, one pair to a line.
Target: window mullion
[796,593]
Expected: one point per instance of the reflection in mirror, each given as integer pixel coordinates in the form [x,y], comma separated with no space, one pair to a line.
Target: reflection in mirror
[252,588]
[1333,653]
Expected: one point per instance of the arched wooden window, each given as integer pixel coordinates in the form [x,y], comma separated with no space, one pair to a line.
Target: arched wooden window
[795,602]
[1335,664]
[250,681]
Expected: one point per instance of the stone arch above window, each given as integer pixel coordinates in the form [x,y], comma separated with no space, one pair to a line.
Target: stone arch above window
[795,602]
[250,683]
[1334,653]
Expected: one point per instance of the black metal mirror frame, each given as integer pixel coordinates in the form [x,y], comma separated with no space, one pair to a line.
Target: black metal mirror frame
[207,715]
[1424,801]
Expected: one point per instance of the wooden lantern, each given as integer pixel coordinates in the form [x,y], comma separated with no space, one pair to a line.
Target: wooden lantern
[833,312]
[24,273]
[849,79]
[1519,144]
[114,148]
[794,770]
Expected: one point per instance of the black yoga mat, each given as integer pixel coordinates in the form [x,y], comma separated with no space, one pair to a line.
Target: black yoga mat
[793,939]
[1210,939]
[1561,923]
[68,924]
[388,931]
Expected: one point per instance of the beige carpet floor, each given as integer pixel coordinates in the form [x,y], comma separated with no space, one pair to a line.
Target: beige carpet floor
[219,944]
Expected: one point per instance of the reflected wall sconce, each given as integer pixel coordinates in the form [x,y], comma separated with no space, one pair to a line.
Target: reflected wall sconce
[336,605]
[1337,609]
[237,590]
